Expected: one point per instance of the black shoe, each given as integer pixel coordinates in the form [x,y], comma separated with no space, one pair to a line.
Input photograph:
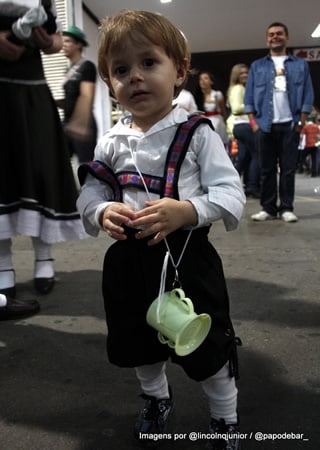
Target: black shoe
[224,437]
[16,309]
[10,292]
[43,285]
[153,418]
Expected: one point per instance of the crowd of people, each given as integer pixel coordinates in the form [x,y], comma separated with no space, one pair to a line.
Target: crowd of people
[155,182]
[234,119]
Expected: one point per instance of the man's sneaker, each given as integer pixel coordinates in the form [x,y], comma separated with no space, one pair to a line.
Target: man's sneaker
[223,436]
[288,216]
[262,216]
[153,418]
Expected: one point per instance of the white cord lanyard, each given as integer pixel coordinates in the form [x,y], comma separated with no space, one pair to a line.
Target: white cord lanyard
[167,255]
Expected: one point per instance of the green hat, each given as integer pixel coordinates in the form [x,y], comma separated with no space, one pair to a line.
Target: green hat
[76,34]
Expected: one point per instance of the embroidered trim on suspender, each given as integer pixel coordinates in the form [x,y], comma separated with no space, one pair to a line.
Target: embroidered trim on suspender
[102,172]
[166,186]
[133,179]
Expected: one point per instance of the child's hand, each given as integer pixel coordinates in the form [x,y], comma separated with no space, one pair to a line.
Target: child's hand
[161,217]
[114,216]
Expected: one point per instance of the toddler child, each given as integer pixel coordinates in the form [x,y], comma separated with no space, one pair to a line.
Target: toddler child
[148,193]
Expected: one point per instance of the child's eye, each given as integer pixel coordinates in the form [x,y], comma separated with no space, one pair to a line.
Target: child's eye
[121,70]
[148,62]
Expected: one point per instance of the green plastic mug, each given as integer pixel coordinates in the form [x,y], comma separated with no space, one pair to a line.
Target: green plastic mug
[177,324]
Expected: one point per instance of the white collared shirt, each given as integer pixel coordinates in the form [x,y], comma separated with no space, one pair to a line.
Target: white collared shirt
[207,178]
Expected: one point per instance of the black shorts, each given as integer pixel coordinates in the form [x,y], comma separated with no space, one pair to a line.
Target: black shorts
[131,280]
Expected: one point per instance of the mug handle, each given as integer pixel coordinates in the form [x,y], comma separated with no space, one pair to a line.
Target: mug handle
[164,340]
[179,295]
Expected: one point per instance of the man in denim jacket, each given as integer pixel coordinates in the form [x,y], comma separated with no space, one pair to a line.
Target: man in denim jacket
[278,98]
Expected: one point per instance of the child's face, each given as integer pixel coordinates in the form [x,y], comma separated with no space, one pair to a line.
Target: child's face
[143,79]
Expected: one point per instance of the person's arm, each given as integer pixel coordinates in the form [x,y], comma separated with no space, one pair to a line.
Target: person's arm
[222,195]
[221,106]
[223,198]
[79,124]
[249,101]
[8,50]
[308,95]
[48,43]
[302,121]
[307,100]
[252,121]
[249,107]
[192,106]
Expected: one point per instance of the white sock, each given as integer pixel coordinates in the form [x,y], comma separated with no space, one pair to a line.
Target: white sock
[153,380]
[7,276]
[3,300]
[43,259]
[222,393]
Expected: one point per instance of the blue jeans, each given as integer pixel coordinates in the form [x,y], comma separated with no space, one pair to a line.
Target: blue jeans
[278,149]
[247,161]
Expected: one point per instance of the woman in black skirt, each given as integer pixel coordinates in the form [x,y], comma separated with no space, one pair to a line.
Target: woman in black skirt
[37,188]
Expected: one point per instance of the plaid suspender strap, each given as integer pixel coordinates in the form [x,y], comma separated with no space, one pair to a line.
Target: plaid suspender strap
[101,171]
[177,153]
[167,186]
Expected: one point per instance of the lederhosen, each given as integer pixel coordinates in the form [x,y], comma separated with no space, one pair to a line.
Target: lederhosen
[131,278]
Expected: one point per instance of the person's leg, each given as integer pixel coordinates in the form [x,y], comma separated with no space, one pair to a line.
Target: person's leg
[266,145]
[301,160]
[153,380]
[243,156]
[254,164]
[313,155]
[154,416]
[288,156]
[222,393]
[7,275]
[43,269]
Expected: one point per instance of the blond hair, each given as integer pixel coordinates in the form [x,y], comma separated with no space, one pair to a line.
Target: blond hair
[235,73]
[139,26]
[235,76]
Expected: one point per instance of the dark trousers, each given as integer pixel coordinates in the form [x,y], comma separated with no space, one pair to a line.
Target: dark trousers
[84,150]
[312,151]
[247,161]
[278,149]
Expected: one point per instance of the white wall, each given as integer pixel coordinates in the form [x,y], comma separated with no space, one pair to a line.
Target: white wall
[102,107]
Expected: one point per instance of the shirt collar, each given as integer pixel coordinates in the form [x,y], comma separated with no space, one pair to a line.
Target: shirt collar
[176,116]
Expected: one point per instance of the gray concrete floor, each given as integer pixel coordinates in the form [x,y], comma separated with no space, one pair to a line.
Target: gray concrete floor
[59,392]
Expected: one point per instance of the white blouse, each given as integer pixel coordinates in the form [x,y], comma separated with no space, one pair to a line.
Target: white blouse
[207,178]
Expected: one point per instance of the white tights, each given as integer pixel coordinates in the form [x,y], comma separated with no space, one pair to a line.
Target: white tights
[153,380]
[7,277]
[220,389]
[43,264]
[222,394]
